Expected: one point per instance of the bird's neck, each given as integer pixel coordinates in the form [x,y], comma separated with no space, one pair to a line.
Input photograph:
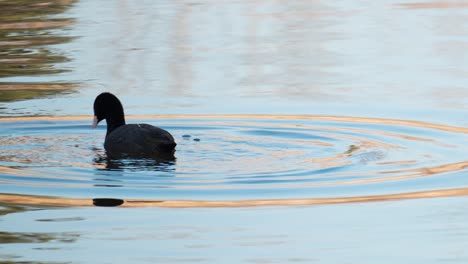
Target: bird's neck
[113,123]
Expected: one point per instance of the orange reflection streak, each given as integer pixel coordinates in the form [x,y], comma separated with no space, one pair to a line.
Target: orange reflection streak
[35,24]
[36,86]
[57,201]
[337,160]
[264,117]
[11,171]
[410,173]
[421,172]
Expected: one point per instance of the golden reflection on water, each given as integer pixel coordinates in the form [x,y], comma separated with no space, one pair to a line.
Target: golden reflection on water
[36,25]
[349,119]
[407,174]
[362,146]
[58,201]
[27,32]
[36,86]
[10,92]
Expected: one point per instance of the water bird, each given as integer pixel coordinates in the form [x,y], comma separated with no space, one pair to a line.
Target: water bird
[134,140]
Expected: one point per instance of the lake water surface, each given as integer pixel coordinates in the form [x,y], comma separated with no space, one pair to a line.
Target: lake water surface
[307,131]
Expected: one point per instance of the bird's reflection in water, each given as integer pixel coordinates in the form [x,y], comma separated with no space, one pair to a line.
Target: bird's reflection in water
[133,164]
[129,173]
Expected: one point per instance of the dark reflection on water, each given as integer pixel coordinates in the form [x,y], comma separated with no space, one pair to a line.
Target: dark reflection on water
[122,162]
[133,164]
[7,237]
[16,94]
[28,31]
[25,32]
[6,209]
[102,161]
[38,241]
[25,237]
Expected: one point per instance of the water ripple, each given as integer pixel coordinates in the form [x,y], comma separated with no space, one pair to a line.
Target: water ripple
[238,158]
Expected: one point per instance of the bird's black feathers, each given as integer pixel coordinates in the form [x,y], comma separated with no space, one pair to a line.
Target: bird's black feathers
[140,140]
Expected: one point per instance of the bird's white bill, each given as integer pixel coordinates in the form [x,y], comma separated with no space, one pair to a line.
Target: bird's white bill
[95,121]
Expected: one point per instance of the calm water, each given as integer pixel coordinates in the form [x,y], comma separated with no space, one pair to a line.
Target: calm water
[288,116]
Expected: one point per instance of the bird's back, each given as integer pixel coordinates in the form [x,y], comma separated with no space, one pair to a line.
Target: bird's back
[139,140]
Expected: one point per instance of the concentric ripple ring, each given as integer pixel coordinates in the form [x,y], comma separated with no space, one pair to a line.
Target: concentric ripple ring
[235,160]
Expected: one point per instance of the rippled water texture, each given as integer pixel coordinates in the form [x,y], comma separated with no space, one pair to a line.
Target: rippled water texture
[317,106]
[238,158]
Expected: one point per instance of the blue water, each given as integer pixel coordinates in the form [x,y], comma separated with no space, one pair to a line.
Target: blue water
[287,115]
[235,158]
[412,231]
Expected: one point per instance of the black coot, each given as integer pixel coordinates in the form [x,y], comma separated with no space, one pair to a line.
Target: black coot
[135,140]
